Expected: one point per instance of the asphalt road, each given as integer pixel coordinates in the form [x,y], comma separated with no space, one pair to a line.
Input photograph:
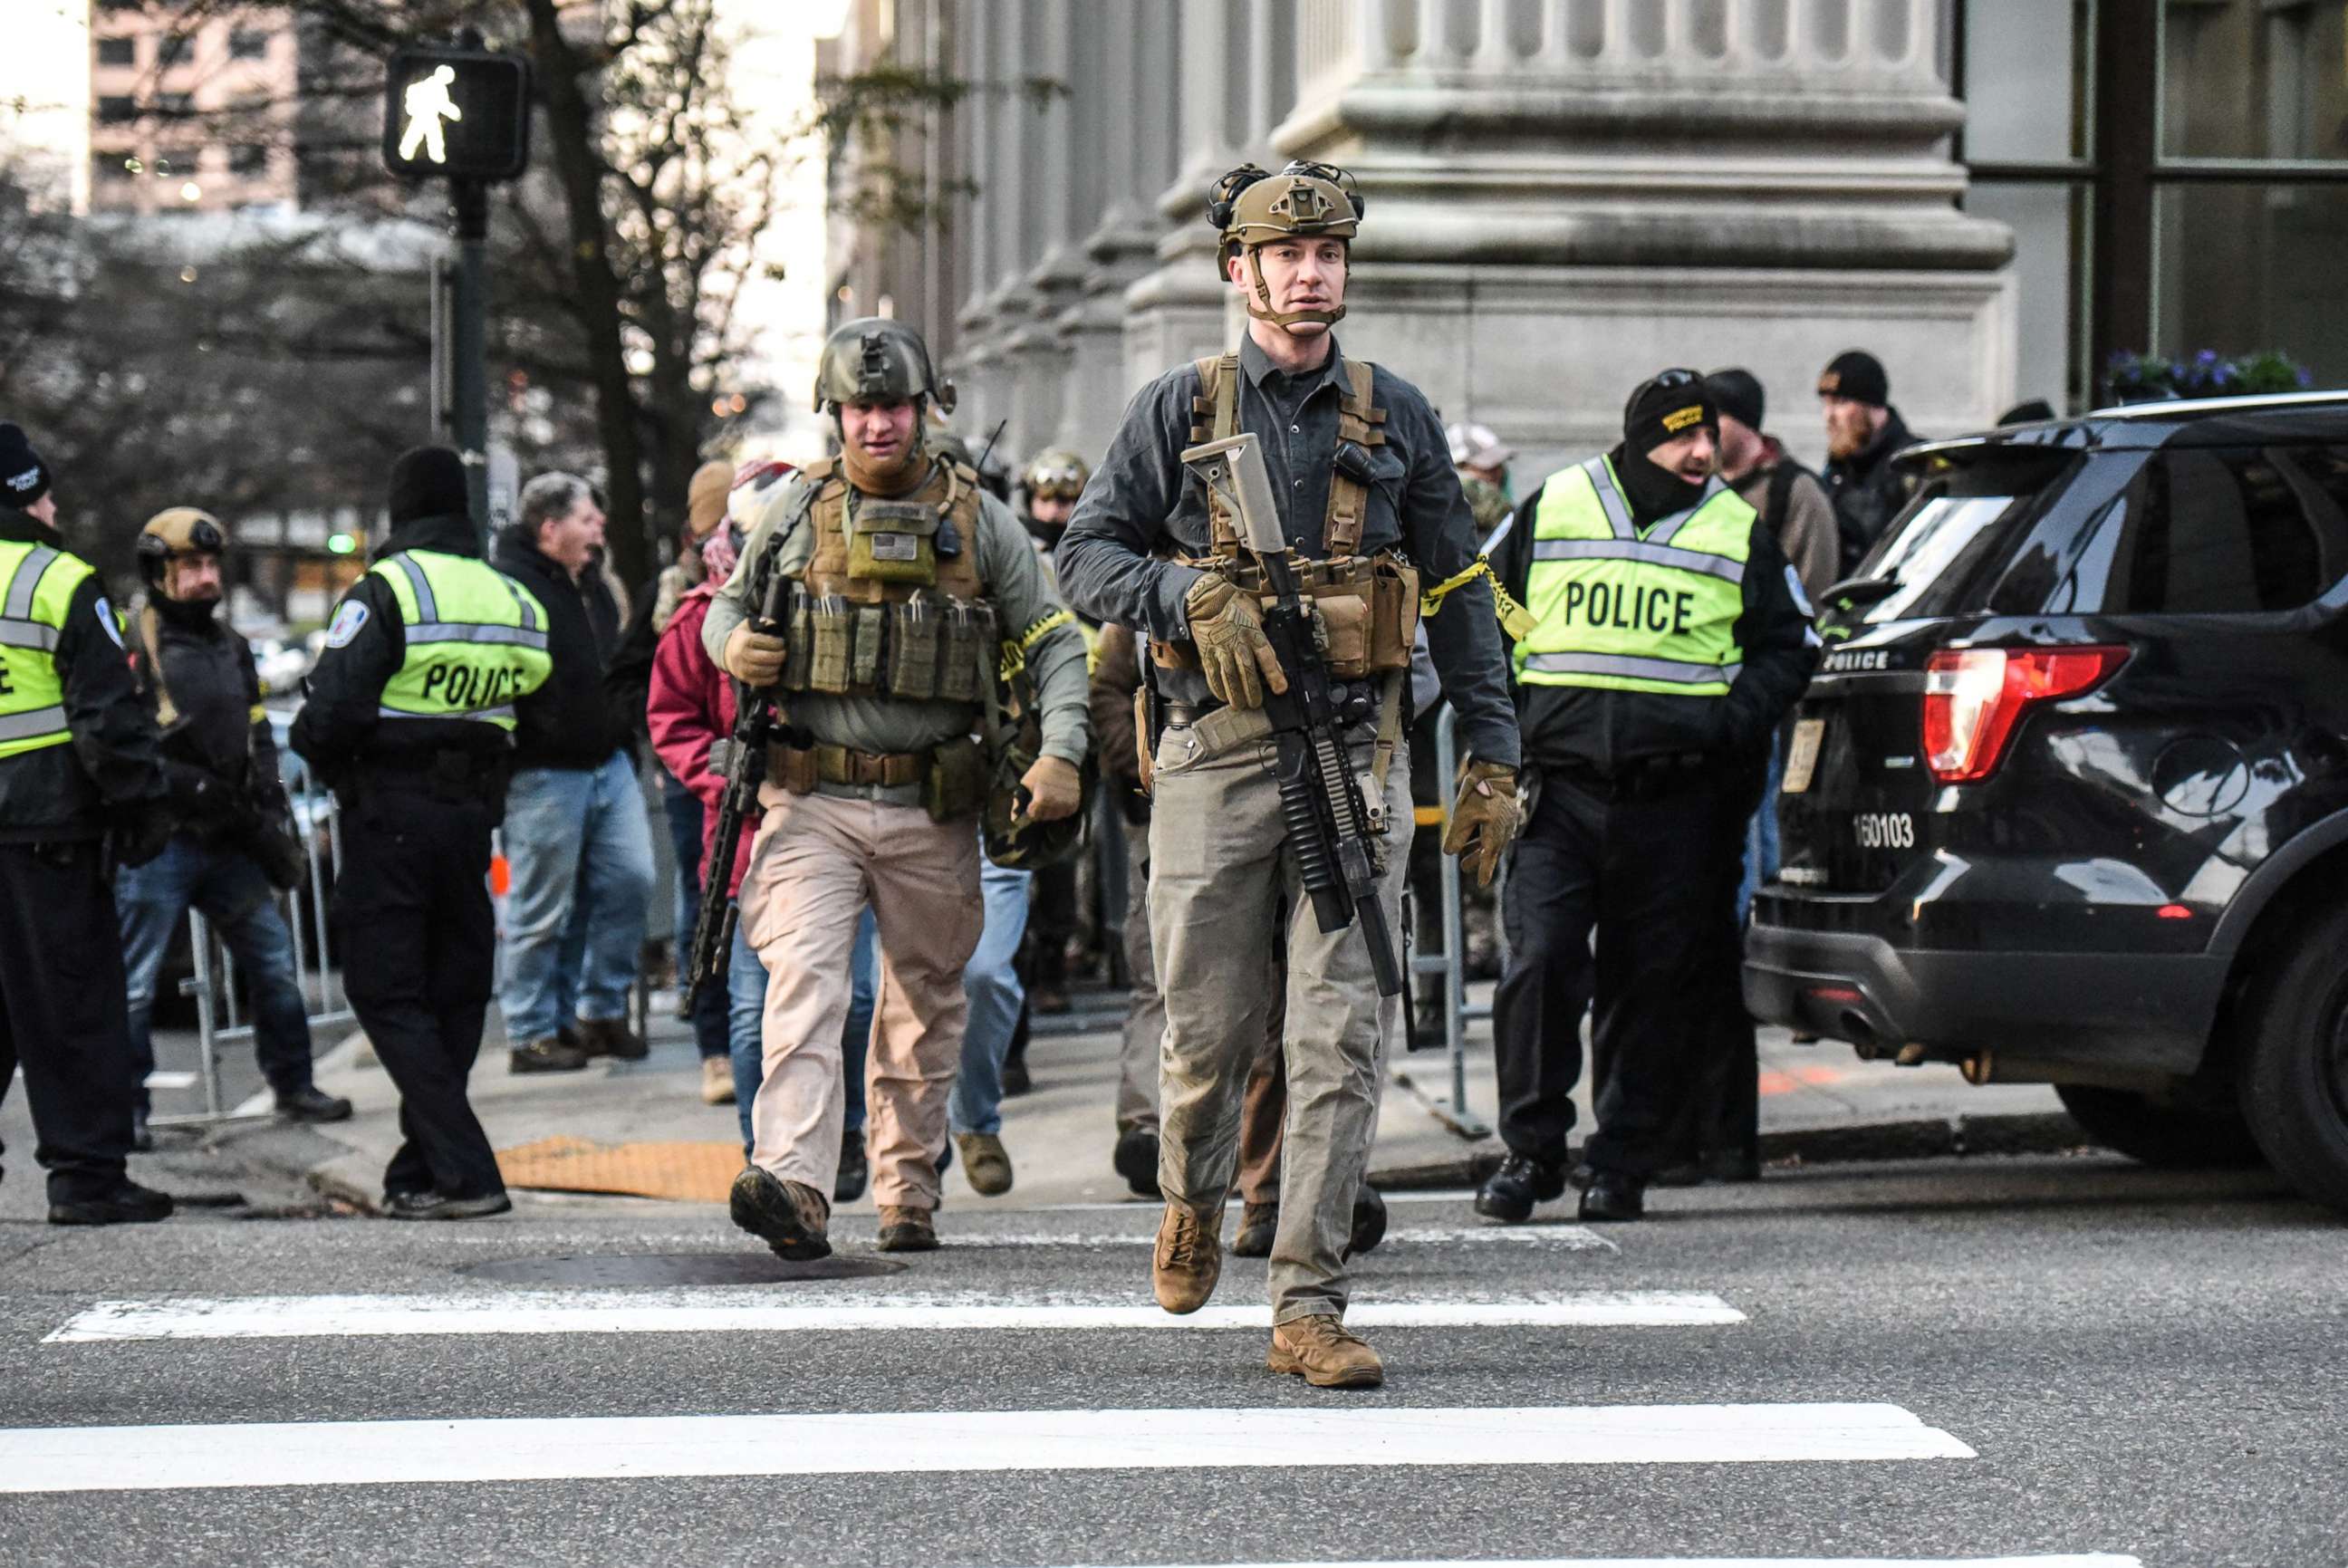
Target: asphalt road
[2144,1365]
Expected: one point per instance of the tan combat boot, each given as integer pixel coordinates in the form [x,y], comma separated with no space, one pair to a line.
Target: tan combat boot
[986,1165]
[1190,1256]
[1322,1351]
[904,1230]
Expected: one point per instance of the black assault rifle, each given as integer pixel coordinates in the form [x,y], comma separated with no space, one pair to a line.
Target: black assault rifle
[1329,823]
[745,766]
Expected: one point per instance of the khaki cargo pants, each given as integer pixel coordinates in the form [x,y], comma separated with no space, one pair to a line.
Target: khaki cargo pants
[1220,876]
[818,860]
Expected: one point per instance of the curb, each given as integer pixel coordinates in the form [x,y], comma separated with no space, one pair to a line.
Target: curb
[1929,1137]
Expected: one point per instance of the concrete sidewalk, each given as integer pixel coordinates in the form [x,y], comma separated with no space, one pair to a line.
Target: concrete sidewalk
[1818,1103]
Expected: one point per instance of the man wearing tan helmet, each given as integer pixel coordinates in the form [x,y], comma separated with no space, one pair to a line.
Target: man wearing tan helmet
[231,859]
[1361,475]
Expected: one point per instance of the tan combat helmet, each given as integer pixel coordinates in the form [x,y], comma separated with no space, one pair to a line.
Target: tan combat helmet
[1055,475]
[875,359]
[1252,209]
[175,531]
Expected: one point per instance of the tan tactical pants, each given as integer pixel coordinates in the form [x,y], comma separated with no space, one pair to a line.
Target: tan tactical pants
[815,863]
[1145,1012]
[1220,874]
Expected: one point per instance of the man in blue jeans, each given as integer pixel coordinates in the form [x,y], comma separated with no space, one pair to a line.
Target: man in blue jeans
[975,1112]
[199,678]
[576,833]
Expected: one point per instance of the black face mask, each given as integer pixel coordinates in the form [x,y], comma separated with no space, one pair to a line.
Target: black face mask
[1047,533]
[184,613]
[1654,492]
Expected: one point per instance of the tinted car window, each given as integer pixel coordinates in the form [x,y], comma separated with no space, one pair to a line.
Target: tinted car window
[1971,515]
[2221,530]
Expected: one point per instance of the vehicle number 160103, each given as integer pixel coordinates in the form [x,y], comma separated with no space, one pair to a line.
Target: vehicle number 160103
[1885,829]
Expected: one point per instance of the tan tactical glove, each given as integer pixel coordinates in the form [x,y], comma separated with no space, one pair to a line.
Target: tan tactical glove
[1485,820]
[753,657]
[1233,652]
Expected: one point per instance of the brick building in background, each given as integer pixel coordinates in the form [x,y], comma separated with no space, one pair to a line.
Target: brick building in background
[190,115]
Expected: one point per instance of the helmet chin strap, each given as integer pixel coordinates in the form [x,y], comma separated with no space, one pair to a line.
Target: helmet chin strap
[1288,318]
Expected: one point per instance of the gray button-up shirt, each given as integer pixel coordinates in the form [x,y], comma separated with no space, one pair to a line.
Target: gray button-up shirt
[1141,505]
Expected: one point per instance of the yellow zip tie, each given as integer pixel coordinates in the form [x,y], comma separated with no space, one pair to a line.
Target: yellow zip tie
[1014,650]
[1515,619]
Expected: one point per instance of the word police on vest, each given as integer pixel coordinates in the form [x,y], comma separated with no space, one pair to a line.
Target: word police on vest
[1607,604]
[472,690]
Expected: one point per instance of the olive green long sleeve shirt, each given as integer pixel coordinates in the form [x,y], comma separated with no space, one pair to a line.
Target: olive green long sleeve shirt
[1016,586]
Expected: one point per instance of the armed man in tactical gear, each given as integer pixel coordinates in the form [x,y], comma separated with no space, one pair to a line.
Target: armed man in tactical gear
[410,719]
[1353,465]
[1669,637]
[232,862]
[80,785]
[876,602]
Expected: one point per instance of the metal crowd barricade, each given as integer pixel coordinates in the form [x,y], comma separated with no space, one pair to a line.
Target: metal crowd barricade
[220,1020]
[1449,964]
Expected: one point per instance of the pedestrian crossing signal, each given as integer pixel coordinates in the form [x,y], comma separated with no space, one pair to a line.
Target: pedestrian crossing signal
[459,114]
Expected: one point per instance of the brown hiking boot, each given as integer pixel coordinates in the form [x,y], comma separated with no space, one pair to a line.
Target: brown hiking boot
[789,1216]
[1257,1224]
[985,1163]
[904,1230]
[1190,1256]
[1322,1351]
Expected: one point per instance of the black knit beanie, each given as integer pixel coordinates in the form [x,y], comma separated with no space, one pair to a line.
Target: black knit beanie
[1664,408]
[24,477]
[427,481]
[1857,375]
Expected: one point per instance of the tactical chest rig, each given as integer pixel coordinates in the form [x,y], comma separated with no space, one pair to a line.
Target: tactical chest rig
[1368,603]
[892,606]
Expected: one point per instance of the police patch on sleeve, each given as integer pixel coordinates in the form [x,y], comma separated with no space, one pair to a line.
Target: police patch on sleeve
[347,623]
[106,618]
[1794,586]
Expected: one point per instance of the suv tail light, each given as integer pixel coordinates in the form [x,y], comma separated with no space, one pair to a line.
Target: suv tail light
[1973,698]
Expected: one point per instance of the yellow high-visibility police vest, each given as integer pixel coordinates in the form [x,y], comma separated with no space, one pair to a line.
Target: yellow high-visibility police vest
[1624,609]
[37,589]
[475,639]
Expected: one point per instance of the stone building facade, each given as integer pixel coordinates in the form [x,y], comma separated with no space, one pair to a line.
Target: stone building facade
[1564,195]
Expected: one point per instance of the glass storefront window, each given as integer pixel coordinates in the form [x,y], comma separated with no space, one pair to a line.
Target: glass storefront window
[2025,80]
[2247,267]
[2050,242]
[2254,79]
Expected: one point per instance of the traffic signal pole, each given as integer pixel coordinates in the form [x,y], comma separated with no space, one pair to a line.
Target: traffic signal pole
[469,340]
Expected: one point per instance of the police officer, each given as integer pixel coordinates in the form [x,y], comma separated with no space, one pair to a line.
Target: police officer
[1669,638]
[77,751]
[1364,481]
[901,585]
[410,719]
[200,676]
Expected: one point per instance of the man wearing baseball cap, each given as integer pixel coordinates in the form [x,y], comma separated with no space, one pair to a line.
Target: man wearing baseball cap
[1863,431]
[1669,638]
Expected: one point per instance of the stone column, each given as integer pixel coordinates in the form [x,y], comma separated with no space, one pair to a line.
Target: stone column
[1129,148]
[1565,195]
[1057,175]
[977,366]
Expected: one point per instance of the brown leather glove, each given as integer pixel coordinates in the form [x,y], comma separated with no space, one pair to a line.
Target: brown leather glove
[1233,652]
[753,657]
[1485,819]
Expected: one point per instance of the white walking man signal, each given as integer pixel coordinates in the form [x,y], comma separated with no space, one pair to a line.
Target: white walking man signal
[429,104]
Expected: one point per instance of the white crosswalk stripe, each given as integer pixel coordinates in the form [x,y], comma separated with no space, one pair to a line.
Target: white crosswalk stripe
[747,1309]
[343,1453]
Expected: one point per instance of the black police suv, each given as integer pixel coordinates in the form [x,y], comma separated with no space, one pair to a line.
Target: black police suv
[2067,801]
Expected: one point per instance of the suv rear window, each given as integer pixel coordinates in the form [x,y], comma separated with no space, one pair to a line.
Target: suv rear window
[2221,530]
[1970,516]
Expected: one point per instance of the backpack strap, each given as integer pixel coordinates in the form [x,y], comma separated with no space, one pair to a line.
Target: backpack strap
[1361,421]
[1215,417]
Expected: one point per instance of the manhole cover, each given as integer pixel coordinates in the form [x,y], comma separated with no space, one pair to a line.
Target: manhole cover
[675,1268]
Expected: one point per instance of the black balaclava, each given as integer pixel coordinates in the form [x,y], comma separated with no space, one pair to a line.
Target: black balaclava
[1662,408]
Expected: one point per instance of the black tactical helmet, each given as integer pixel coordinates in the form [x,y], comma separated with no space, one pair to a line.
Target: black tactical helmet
[1015,843]
[875,359]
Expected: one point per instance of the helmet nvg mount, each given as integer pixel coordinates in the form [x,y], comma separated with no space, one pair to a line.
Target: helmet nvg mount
[177,532]
[877,359]
[1251,209]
